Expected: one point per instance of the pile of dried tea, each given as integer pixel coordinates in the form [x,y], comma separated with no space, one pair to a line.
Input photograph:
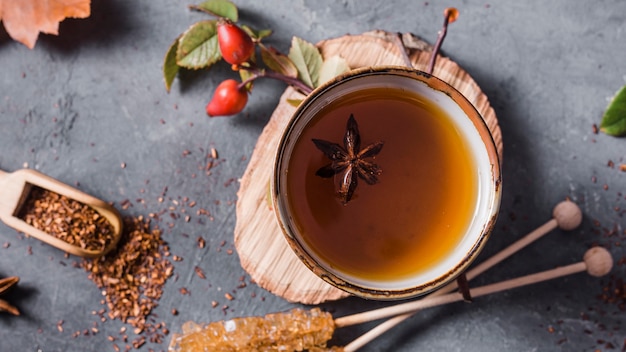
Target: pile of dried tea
[132,277]
[67,219]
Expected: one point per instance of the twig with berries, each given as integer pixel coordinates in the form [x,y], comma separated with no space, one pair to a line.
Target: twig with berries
[207,42]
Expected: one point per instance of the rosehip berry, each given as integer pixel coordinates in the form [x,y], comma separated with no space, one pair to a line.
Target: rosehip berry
[228,99]
[236,45]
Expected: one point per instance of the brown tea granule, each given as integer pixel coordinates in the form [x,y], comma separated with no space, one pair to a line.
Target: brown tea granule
[66,219]
[200,272]
[132,276]
[201,242]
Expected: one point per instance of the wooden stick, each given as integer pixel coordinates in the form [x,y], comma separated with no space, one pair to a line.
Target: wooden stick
[397,40]
[566,215]
[597,262]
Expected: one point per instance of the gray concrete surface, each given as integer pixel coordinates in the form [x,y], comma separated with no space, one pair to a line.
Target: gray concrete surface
[79,105]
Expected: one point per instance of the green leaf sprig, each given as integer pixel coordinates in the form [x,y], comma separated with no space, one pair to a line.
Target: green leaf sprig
[304,68]
[614,119]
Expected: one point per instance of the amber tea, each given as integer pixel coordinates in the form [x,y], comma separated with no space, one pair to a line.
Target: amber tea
[418,209]
[386,182]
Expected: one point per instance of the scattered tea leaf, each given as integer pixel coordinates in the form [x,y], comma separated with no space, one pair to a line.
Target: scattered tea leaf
[614,119]
[198,47]
[332,67]
[170,67]
[307,59]
[219,8]
[294,102]
[256,35]
[278,62]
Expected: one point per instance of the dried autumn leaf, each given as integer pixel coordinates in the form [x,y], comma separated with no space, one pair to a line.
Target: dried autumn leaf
[24,19]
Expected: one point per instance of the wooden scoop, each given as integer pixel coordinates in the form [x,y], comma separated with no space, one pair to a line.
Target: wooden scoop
[14,190]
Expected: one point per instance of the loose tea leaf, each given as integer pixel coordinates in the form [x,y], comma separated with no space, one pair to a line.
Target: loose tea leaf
[198,47]
[66,219]
[219,8]
[170,67]
[133,275]
[307,59]
[332,67]
[614,119]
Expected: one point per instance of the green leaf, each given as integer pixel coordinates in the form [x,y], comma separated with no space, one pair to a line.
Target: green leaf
[614,119]
[294,102]
[333,67]
[256,35]
[263,33]
[245,74]
[170,67]
[219,8]
[307,59]
[278,62]
[198,47]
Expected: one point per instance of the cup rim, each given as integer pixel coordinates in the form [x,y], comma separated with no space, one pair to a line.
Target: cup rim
[280,209]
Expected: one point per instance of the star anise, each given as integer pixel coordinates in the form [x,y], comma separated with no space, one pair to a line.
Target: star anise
[350,160]
[6,284]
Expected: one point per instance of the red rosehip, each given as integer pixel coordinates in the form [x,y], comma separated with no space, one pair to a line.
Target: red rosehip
[228,99]
[236,45]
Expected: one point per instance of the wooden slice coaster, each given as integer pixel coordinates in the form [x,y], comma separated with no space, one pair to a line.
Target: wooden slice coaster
[263,251]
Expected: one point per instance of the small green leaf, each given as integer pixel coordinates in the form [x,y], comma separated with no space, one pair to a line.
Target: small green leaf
[245,74]
[198,46]
[256,35]
[170,67]
[219,8]
[294,102]
[614,119]
[278,62]
[332,67]
[264,33]
[307,59]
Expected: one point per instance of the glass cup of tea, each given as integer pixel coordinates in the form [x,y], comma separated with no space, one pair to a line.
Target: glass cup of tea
[386,182]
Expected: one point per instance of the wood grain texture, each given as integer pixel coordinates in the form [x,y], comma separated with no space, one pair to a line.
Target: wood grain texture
[263,251]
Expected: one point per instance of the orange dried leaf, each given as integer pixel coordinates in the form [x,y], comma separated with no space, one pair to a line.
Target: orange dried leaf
[24,19]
